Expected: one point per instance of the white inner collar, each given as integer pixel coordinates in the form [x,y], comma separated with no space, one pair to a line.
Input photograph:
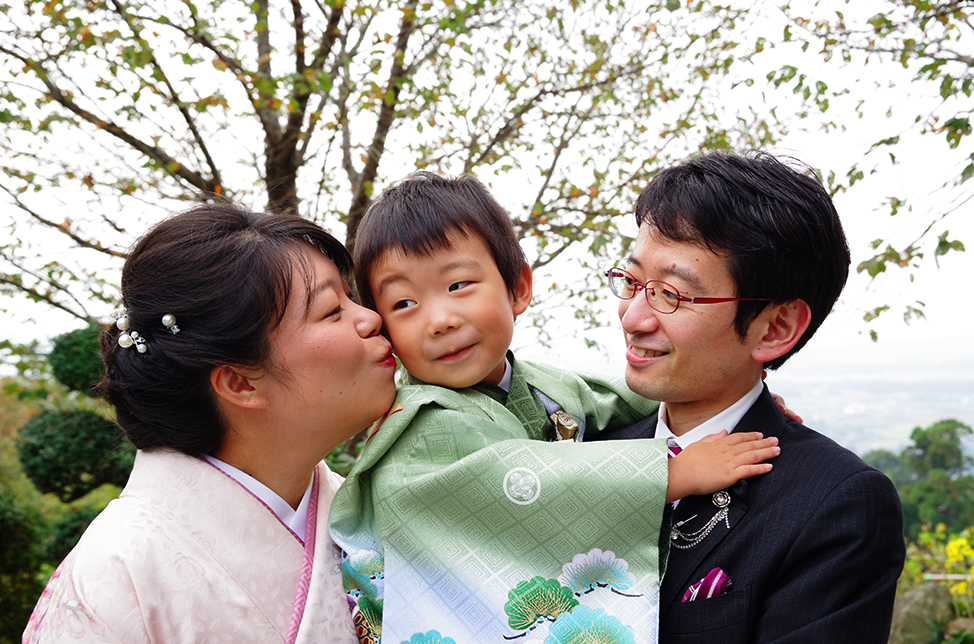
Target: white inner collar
[295,520]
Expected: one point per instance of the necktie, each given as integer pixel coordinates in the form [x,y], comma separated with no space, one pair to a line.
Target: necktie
[672,448]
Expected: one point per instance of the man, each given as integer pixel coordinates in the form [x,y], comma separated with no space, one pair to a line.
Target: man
[737,262]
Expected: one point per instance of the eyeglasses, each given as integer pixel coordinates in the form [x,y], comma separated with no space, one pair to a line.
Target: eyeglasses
[662,297]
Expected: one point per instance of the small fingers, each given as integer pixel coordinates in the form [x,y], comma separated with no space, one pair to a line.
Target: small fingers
[758,455]
[747,471]
[719,435]
[792,415]
[756,443]
[751,449]
[783,406]
[737,437]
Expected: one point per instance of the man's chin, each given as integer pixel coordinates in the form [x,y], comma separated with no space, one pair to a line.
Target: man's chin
[639,383]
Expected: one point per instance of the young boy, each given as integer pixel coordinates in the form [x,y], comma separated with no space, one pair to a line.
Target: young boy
[461,520]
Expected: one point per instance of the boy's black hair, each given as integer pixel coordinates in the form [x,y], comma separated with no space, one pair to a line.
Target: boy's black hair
[775,224]
[416,216]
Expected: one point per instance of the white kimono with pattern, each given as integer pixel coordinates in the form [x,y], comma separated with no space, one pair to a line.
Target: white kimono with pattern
[187,554]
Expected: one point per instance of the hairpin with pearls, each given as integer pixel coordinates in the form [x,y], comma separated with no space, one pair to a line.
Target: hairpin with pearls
[128,338]
[169,321]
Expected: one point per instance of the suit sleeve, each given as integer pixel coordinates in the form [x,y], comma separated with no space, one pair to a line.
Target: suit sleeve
[838,581]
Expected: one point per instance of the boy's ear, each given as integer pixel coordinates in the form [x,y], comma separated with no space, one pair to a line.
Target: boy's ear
[778,328]
[236,388]
[523,291]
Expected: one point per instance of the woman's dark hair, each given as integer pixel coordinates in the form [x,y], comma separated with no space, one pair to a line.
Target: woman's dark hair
[416,216]
[774,223]
[225,273]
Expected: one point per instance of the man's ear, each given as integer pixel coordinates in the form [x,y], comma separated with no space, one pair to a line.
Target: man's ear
[236,388]
[779,328]
[524,290]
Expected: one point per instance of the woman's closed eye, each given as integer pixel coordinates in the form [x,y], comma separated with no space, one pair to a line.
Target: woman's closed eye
[456,286]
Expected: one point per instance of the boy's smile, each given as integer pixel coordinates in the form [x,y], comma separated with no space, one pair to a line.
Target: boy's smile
[449,315]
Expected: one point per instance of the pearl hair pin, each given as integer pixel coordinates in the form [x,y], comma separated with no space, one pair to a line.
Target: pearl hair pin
[169,321]
[128,338]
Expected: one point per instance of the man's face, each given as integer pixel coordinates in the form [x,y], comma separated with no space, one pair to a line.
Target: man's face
[692,359]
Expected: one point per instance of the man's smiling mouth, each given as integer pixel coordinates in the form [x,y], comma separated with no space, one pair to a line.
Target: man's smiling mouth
[647,353]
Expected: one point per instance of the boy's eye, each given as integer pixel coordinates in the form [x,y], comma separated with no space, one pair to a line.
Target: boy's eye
[456,286]
[403,304]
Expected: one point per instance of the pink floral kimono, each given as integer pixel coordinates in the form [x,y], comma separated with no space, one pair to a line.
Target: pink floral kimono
[187,554]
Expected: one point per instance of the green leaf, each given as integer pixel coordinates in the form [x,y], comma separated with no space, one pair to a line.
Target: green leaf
[944,245]
[956,128]
[873,266]
[869,316]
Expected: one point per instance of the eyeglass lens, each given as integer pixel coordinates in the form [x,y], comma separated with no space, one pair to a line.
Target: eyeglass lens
[661,296]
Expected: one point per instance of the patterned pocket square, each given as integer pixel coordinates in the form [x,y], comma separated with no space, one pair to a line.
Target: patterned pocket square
[715,583]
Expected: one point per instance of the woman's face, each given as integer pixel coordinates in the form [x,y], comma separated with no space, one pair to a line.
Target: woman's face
[333,372]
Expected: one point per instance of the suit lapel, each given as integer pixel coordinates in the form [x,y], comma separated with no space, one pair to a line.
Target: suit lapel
[696,512]
[683,566]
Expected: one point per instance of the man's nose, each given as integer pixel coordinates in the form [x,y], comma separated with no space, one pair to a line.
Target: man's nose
[637,316]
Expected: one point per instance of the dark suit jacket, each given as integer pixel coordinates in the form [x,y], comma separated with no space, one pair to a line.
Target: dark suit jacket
[814,548]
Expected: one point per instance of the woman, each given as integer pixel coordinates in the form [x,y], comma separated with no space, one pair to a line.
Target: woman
[240,363]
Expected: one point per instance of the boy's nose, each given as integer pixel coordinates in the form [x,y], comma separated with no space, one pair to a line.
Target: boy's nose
[443,320]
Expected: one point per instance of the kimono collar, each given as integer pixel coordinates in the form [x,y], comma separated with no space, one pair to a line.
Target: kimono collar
[295,520]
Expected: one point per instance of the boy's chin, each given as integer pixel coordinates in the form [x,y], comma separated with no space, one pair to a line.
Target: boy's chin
[452,382]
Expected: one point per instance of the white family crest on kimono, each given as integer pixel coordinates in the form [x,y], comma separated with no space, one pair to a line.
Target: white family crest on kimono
[187,554]
[462,524]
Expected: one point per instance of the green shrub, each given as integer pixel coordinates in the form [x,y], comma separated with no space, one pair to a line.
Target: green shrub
[18,535]
[66,532]
[71,453]
[19,586]
[18,593]
[76,359]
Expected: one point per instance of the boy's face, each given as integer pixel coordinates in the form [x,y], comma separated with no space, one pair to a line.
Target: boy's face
[449,316]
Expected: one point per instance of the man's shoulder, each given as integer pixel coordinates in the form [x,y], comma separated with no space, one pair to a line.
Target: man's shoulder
[814,467]
[814,449]
[642,428]
[800,445]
